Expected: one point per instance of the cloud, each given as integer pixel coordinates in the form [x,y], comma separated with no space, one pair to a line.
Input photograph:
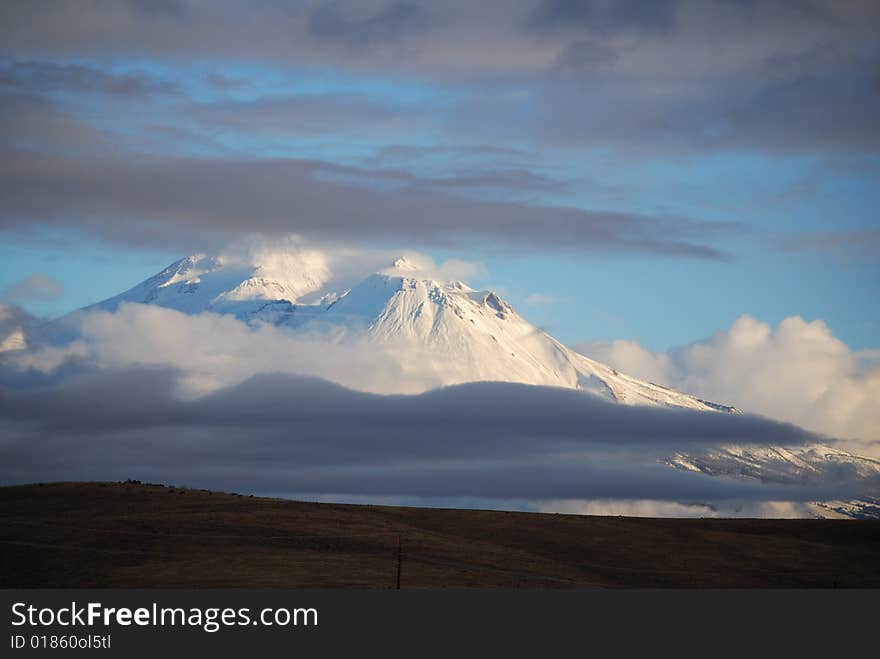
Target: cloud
[53,77]
[798,371]
[295,115]
[92,143]
[339,267]
[630,357]
[288,434]
[666,76]
[163,200]
[558,419]
[213,351]
[28,120]
[388,24]
[584,56]
[33,288]
[859,244]
[413,264]
[604,16]
[824,114]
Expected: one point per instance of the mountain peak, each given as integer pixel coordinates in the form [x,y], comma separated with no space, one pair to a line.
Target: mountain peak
[404,263]
[230,283]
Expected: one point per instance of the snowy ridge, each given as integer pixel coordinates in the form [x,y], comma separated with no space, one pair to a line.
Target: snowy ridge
[13,341]
[808,464]
[13,330]
[799,465]
[213,283]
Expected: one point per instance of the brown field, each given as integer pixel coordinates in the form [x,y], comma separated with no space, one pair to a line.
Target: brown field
[132,535]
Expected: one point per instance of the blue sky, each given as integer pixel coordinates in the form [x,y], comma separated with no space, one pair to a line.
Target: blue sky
[722,158]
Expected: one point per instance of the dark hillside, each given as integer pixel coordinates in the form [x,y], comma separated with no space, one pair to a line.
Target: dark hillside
[116,535]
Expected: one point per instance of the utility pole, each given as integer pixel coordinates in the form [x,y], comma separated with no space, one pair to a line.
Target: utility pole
[399,560]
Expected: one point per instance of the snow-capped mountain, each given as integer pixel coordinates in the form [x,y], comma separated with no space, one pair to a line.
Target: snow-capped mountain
[465,335]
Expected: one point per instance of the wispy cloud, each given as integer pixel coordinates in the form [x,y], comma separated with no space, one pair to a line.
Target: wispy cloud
[863,243]
[54,77]
[33,288]
[163,198]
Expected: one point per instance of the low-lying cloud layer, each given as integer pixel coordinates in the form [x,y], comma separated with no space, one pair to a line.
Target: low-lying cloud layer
[275,433]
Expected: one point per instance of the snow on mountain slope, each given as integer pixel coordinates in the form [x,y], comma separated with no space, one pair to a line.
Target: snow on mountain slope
[475,335]
[14,328]
[813,464]
[810,464]
[14,340]
[227,285]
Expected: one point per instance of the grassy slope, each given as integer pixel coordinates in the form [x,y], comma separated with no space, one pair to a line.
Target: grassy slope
[117,535]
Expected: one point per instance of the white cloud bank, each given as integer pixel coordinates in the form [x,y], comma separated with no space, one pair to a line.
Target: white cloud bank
[798,372]
[212,351]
